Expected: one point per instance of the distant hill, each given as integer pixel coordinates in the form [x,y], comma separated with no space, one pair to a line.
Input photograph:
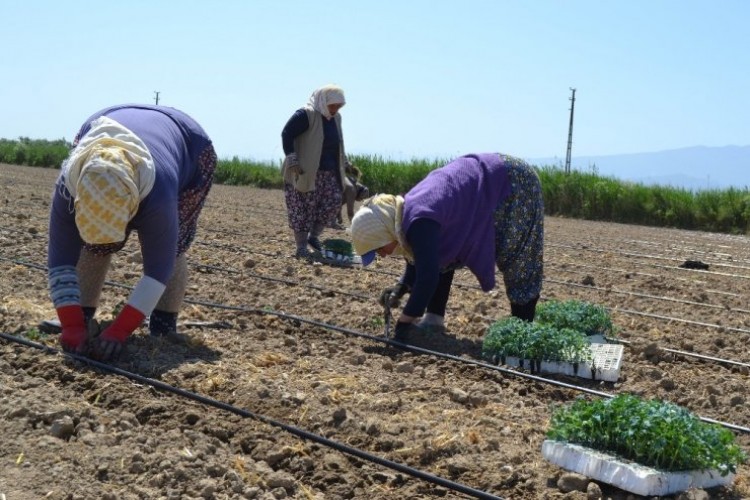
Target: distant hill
[695,168]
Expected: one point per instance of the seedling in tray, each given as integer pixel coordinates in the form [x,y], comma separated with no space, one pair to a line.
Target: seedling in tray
[338,246]
[653,433]
[338,251]
[512,337]
[651,448]
[585,317]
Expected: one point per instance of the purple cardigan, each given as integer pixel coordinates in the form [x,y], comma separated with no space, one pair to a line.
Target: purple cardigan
[462,197]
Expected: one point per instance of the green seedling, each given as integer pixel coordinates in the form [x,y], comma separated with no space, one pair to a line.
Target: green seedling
[535,342]
[578,315]
[339,246]
[35,335]
[652,433]
[377,322]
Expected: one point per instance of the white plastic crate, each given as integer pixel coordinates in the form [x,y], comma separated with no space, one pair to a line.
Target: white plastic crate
[632,477]
[339,259]
[605,364]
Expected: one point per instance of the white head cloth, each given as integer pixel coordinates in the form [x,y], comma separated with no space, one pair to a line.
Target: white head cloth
[325,95]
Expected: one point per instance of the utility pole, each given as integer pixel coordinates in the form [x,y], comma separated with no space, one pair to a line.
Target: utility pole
[570,131]
[156,97]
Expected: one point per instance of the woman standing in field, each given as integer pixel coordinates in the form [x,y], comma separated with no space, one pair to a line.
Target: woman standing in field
[314,166]
[134,167]
[478,211]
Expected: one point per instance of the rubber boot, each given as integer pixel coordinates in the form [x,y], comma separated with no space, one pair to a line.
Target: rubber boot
[526,311]
[162,323]
[163,319]
[314,239]
[300,239]
[88,314]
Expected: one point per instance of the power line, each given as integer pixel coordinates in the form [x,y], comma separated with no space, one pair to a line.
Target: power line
[570,131]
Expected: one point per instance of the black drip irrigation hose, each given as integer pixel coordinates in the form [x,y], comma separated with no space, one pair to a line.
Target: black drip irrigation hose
[623,311]
[301,433]
[655,257]
[451,357]
[411,348]
[692,249]
[689,354]
[547,280]
[263,210]
[465,285]
[648,296]
[255,209]
[281,280]
[367,297]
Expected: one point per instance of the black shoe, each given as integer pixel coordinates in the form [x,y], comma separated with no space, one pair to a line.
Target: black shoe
[315,243]
[50,326]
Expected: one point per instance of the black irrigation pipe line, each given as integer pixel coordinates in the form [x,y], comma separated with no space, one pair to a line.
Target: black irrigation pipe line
[633,294]
[429,352]
[563,267]
[702,357]
[622,311]
[673,249]
[548,280]
[659,316]
[296,431]
[415,349]
[695,247]
[281,280]
[627,343]
[264,210]
[587,248]
[369,298]
[576,285]
[565,283]
[255,208]
[649,296]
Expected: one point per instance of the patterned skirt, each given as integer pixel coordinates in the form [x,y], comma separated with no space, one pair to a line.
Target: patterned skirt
[519,233]
[318,207]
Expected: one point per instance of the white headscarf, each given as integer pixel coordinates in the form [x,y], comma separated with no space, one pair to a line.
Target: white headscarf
[325,95]
[378,223]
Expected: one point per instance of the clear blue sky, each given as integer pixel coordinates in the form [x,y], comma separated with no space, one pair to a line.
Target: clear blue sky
[423,78]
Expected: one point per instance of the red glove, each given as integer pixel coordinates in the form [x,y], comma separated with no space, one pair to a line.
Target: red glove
[111,340]
[74,334]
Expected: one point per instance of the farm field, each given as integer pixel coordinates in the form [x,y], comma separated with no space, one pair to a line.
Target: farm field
[298,344]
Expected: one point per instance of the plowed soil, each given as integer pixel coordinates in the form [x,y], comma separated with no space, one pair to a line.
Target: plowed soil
[295,343]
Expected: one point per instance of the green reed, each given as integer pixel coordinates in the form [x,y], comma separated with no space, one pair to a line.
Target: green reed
[584,195]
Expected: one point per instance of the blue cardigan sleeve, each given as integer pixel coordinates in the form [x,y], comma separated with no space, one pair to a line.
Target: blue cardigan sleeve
[296,125]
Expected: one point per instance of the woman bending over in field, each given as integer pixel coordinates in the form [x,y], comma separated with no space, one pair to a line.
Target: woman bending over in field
[478,211]
[134,167]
